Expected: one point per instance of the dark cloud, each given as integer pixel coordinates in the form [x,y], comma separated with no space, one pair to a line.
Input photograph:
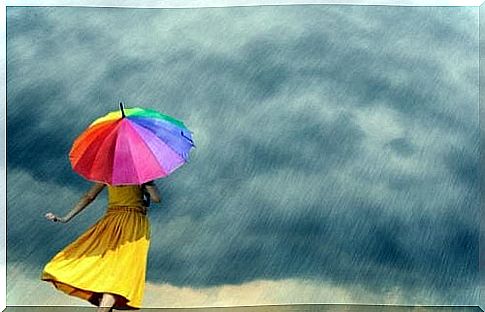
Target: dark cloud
[326,247]
[330,145]
[42,152]
[464,164]
[402,146]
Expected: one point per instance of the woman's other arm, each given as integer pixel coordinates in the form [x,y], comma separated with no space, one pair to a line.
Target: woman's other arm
[85,200]
[152,190]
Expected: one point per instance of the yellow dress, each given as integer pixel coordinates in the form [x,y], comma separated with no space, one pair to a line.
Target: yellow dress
[110,256]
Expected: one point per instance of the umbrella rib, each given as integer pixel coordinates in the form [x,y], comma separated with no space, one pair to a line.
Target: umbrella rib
[111,174]
[157,115]
[76,144]
[134,167]
[101,145]
[148,148]
[131,155]
[168,145]
[98,136]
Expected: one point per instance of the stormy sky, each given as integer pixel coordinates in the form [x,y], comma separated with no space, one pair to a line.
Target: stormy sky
[337,146]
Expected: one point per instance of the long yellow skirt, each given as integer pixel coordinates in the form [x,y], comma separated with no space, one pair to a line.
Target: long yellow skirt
[110,257]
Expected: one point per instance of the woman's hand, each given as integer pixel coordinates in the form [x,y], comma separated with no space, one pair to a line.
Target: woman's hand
[146,198]
[52,217]
[87,198]
[152,190]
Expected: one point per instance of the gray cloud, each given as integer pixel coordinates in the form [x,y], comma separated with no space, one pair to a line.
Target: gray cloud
[336,143]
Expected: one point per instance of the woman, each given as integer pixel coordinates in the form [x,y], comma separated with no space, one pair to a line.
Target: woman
[106,265]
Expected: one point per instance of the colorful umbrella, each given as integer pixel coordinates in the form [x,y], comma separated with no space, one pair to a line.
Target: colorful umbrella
[131,146]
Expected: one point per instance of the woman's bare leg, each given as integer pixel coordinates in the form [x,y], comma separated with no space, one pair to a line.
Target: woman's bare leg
[106,304]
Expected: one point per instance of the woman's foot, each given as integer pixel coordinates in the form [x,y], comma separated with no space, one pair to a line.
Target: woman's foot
[106,303]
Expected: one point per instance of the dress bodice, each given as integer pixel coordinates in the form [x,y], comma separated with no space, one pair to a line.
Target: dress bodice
[125,195]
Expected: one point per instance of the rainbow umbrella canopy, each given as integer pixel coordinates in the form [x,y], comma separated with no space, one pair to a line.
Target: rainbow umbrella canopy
[131,146]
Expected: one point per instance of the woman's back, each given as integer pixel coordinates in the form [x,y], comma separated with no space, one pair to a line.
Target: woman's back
[125,195]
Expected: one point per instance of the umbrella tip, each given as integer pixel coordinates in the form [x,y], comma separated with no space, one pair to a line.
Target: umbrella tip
[122,111]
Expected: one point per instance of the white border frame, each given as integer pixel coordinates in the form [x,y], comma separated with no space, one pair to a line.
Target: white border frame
[147,4]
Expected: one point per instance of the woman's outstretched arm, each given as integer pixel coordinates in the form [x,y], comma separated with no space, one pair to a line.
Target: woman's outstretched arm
[152,190]
[85,200]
